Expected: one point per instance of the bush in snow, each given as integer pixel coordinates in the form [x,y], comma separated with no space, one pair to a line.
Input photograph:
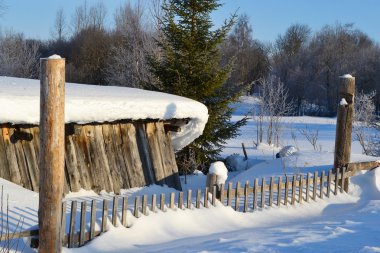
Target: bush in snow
[286,151]
[220,170]
[236,162]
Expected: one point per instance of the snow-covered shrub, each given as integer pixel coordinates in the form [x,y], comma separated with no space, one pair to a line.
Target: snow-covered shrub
[220,170]
[286,151]
[236,162]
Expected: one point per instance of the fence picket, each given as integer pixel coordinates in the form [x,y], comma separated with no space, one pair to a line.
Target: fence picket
[104,216]
[82,228]
[237,198]
[246,194]
[286,190]
[255,193]
[336,181]
[124,211]
[271,185]
[222,192]
[322,185]
[294,189]
[300,189]
[92,219]
[198,199]
[308,187]
[154,203]
[180,200]
[72,224]
[136,209]
[214,195]
[263,192]
[188,199]
[315,181]
[279,190]
[205,201]
[229,194]
[63,221]
[145,205]
[328,183]
[343,170]
[162,202]
[114,210]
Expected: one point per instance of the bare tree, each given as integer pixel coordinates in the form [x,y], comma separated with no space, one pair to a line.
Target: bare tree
[128,56]
[86,17]
[59,25]
[18,57]
[274,105]
[311,136]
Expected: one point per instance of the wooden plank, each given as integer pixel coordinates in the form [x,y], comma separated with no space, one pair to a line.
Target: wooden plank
[255,193]
[329,177]
[82,228]
[30,159]
[112,157]
[143,147]
[271,186]
[279,190]
[263,192]
[93,219]
[336,182]
[136,209]
[286,190]
[114,210]
[10,153]
[229,194]
[180,200]
[155,154]
[124,212]
[188,199]
[171,200]
[104,215]
[322,185]
[213,201]
[174,167]
[23,167]
[308,187]
[72,224]
[121,159]
[198,199]
[300,189]
[294,190]
[315,183]
[205,200]
[246,195]
[162,202]
[154,203]
[63,221]
[145,205]
[342,174]
[237,197]
[222,194]
[71,165]
[4,171]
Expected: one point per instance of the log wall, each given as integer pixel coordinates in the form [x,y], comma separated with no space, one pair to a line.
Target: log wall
[109,156]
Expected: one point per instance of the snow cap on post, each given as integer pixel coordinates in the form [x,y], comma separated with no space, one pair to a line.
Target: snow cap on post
[220,170]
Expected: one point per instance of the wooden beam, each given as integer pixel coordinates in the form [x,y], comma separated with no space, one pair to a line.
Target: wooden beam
[51,157]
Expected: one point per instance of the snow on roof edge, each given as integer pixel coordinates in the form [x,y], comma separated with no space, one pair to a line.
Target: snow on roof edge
[93,103]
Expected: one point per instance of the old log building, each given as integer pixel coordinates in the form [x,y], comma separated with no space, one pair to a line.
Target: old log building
[115,138]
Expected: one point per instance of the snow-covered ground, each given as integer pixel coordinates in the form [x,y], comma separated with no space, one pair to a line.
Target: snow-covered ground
[348,222]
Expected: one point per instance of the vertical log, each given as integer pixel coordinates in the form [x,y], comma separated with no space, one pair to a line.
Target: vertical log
[343,136]
[51,157]
[244,151]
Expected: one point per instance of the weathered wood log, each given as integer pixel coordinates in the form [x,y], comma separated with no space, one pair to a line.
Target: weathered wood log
[343,136]
[51,157]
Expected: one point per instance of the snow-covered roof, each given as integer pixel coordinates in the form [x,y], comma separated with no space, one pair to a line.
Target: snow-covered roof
[20,101]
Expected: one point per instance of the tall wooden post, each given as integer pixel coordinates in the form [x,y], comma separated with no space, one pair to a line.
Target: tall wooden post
[343,136]
[51,156]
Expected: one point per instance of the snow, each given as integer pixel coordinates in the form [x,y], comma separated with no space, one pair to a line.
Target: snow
[54,57]
[90,103]
[343,102]
[220,170]
[346,76]
[348,222]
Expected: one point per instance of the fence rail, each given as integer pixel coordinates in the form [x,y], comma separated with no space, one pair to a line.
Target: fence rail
[89,219]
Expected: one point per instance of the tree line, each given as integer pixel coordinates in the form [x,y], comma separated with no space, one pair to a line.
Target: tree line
[172,46]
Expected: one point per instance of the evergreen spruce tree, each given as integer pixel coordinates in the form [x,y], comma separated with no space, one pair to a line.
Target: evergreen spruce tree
[190,66]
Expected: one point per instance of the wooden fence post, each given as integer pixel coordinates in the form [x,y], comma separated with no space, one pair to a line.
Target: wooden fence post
[51,156]
[343,136]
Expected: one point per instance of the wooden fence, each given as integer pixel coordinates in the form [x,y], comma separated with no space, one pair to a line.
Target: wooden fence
[88,219]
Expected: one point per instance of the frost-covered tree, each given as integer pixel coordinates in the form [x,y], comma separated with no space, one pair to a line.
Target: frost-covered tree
[190,66]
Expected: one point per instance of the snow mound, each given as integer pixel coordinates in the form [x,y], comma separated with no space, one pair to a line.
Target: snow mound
[219,169]
[286,151]
[90,103]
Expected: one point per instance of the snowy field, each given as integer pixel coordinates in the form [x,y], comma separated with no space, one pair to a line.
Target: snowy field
[348,222]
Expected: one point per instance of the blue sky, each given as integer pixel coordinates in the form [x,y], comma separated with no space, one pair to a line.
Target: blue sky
[268,17]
